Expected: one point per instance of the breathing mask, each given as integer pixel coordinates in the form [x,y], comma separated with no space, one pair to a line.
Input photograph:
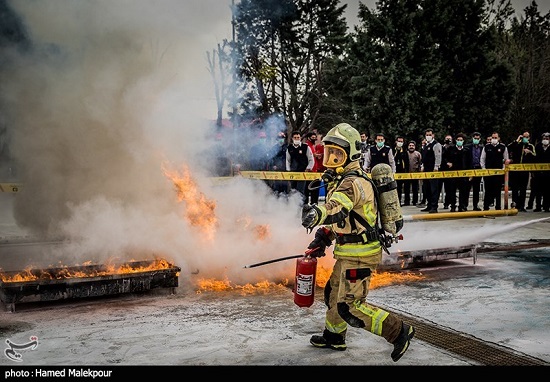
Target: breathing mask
[335,156]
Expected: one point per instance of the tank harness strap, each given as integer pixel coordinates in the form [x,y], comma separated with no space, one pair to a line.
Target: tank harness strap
[366,237]
[372,233]
[387,187]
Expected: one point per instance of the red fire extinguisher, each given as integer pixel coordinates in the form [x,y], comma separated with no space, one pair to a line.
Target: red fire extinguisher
[304,285]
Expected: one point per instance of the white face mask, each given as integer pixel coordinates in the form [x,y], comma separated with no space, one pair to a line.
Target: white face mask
[399,144]
[494,141]
[545,142]
[429,138]
[296,142]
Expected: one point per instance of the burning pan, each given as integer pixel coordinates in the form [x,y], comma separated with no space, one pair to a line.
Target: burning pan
[51,284]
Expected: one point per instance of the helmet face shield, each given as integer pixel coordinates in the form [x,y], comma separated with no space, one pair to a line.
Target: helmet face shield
[344,135]
[335,156]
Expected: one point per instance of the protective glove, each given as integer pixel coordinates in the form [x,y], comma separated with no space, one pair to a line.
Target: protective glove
[311,215]
[321,242]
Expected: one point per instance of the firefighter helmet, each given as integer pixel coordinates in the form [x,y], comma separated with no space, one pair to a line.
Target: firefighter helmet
[342,145]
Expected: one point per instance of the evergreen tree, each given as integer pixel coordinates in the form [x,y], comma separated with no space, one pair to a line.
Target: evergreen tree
[528,43]
[427,64]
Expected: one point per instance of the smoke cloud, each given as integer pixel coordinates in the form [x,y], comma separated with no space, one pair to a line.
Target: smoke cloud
[108,94]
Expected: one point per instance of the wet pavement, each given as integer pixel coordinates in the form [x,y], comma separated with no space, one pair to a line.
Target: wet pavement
[462,308]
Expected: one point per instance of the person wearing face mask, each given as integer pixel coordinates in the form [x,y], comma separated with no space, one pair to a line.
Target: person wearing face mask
[447,185]
[423,184]
[364,147]
[540,180]
[460,158]
[493,156]
[312,195]
[520,151]
[299,158]
[411,185]
[474,149]
[379,152]
[401,159]
[431,161]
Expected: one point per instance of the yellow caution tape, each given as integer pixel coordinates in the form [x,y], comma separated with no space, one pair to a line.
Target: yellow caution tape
[288,175]
[529,167]
[277,175]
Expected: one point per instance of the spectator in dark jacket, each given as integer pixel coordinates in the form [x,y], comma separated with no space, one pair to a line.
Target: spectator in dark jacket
[475,148]
[379,152]
[520,151]
[460,159]
[401,159]
[540,185]
[431,161]
[493,156]
[412,185]
[299,158]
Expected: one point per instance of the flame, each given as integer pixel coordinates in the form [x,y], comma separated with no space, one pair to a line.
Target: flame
[225,285]
[263,232]
[200,209]
[323,274]
[61,273]
[377,280]
[382,279]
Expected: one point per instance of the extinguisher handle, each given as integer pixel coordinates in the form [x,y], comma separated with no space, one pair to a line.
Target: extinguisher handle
[310,251]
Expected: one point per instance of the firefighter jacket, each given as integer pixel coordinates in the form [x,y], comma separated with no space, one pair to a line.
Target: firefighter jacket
[350,212]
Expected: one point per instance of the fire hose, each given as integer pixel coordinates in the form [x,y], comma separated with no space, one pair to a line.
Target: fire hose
[306,253]
[306,269]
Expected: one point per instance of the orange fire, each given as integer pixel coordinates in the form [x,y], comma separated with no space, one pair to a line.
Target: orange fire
[200,210]
[323,274]
[61,273]
[205,285]
[377,280]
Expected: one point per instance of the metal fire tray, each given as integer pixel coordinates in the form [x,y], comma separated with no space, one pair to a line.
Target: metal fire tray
[51,284]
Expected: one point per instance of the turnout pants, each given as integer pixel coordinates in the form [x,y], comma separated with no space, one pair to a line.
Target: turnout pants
[345,297]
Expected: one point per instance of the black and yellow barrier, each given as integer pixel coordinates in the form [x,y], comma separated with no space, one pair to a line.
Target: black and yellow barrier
[283,175]
[288,175]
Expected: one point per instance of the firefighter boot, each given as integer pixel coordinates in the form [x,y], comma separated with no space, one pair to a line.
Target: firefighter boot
[329,340]
[401,344]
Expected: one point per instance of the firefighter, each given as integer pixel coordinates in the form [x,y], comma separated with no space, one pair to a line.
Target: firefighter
[349,217]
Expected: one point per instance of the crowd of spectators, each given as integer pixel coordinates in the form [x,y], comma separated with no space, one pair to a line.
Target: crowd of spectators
[458,152]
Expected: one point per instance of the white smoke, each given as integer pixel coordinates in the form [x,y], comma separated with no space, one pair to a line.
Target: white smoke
[109,92]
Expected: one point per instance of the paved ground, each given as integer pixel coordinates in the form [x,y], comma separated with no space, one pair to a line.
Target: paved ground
[501,300]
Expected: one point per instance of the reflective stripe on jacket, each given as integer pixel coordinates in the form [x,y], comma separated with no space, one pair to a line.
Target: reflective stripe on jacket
[351,193]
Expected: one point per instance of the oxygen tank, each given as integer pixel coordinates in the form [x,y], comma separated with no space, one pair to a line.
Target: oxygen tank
[389,208]
[304,285]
